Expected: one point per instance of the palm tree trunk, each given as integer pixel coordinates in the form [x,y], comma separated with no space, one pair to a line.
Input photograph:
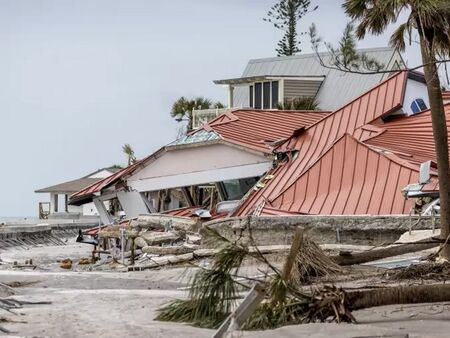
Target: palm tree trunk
[440,136]
[364,299]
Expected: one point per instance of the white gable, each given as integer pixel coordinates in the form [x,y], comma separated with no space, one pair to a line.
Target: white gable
[198,165]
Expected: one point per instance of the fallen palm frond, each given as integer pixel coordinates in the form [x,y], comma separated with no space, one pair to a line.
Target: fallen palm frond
[312,262]
[213,291]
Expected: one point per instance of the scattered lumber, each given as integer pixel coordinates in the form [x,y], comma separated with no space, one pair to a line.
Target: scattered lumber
[376,254]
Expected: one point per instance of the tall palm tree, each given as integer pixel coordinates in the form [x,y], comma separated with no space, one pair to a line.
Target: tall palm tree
[183,108]
[431,19]
[129,152]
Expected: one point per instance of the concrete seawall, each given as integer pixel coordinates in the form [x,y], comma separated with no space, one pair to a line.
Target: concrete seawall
[371,230]
[29,234]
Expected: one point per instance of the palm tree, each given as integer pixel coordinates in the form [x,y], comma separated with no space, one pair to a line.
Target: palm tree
[431,19]
[129,152]
[183,108]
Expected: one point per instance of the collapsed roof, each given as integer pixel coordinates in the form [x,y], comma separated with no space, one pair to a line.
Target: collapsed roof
[353,161]
[254,131]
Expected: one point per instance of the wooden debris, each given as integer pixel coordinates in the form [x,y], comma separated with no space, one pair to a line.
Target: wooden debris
[376,254]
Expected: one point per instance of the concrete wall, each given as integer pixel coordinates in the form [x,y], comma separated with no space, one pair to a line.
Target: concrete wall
[370,230]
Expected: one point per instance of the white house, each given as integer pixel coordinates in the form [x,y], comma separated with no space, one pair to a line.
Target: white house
[59,196]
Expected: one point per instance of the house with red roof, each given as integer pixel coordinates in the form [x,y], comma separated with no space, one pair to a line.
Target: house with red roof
[356,160]
[219,161]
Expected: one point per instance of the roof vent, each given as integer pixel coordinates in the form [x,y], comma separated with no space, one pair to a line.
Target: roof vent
[424,174]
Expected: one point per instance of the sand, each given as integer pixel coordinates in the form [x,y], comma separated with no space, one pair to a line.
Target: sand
[105,304]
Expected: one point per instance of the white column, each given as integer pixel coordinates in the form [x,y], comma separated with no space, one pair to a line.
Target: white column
[230,96]
[53,203]
[281,91]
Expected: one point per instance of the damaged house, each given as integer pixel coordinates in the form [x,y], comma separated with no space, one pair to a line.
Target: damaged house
[277,162]
[218,162]
[354,161]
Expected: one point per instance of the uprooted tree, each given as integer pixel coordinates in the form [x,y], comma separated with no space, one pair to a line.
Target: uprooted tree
[215,290]
[431,20]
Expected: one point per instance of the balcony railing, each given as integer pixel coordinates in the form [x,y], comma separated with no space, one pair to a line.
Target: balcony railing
[202,116]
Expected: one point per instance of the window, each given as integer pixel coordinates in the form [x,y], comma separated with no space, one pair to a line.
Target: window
[266,95]
[418,105]
[274,94]
[258,95]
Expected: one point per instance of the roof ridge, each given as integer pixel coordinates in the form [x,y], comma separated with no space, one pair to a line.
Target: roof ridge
[309,55]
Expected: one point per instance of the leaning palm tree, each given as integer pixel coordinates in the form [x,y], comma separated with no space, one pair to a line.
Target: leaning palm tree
[183,108]
[129,152]
[431,19]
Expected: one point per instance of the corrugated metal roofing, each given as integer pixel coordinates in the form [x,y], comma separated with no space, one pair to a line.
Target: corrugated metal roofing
[311,144]
[410,137]
[256,129]
[79,197]
[350,178]
[338,87]
[446,96]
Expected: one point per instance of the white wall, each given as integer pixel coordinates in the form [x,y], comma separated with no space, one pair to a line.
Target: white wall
[414,90]
[198,165]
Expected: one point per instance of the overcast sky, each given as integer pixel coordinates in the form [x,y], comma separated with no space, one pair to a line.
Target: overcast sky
[79,78]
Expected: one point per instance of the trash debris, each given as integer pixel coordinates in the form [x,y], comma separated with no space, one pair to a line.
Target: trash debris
[66,264]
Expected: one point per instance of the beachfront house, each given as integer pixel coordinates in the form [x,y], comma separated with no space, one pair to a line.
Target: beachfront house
[58,206]
[268,82]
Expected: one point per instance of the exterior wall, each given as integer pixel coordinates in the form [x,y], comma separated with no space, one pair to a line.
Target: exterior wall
[414,90]
[370,230]
[295,89]
[198,165]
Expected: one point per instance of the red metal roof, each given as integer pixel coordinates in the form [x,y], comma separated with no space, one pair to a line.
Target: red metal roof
[409,137]
[446,95]
[350,178]
[352,119]
[87,192]
[255,129]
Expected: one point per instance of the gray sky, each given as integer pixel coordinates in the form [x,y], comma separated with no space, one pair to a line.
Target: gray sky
[79,78]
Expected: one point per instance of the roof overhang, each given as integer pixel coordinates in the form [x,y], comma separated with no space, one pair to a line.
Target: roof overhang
[250,79]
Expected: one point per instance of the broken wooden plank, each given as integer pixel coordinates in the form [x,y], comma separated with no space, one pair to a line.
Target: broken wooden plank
[244,310]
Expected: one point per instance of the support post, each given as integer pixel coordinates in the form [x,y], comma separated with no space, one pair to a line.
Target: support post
[230,96]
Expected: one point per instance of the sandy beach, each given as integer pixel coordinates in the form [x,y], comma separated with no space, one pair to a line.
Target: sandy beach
[123,304]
